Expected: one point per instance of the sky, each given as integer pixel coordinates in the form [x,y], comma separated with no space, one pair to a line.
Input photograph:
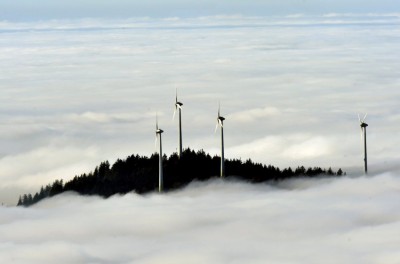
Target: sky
[48,9]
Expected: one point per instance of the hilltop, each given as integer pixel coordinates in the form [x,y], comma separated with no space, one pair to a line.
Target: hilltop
[140,174]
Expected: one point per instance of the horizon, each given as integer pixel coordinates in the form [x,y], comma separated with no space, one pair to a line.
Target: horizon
[25,10]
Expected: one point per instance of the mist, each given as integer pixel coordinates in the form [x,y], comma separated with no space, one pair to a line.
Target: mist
[78,92]
[336,220]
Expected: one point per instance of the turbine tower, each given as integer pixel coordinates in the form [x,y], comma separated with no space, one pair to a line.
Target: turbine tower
[363,126]
[160,158]
[178,107]
[220,122]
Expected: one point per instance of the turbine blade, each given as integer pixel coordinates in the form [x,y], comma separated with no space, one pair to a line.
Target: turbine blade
[173,117]
[156,121]
[216,128]
[365,117]
[155,143]
[359,119]
[219,109]
[176,95]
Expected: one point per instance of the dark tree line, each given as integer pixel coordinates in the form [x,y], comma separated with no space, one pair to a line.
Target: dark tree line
[140,174]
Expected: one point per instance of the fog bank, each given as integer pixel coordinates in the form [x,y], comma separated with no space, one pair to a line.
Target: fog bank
[341,220]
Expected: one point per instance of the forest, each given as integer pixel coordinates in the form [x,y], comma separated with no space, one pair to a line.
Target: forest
[140,174]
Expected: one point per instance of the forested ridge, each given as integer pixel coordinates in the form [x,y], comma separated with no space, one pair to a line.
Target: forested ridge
[140,174]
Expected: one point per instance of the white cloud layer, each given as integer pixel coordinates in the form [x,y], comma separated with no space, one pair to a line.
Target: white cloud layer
[77,92]
[339,220]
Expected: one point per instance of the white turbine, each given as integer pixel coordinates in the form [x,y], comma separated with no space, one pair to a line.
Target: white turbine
[220,123]
[160,158]
[363,126]
[178,107]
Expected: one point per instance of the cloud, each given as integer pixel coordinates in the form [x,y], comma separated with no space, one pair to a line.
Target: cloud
[89,117]
[42,164]
[312,148]
[294,147]
[216,221]
[253,115]
[290,88]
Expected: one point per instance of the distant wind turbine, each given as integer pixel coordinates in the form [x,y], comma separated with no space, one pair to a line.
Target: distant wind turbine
[178,107]
[220,122]
[363,126]
[160,158]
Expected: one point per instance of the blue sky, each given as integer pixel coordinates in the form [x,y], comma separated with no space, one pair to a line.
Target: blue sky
[50,9]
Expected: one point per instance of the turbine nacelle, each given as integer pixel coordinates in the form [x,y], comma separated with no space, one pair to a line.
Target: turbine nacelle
[159,131]
[178,105]
[220,120]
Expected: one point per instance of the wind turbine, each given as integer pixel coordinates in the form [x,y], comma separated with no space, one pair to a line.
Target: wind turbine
[363,126]
[220,122]
[178,107]
[160,158]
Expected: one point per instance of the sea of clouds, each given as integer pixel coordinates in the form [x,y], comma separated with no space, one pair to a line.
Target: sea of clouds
[337,220]
[81,91]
